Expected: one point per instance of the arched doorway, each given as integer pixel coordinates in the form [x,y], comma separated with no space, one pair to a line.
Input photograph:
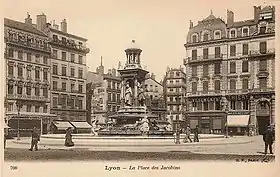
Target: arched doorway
[263,115]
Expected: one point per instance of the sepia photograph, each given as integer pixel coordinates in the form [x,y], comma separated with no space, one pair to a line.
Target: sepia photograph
[147,81]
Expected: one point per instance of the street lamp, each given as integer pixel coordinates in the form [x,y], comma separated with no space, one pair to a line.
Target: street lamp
[19,106]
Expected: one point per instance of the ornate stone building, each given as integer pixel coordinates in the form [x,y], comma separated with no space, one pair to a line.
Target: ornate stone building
[68,70]
[230,69]
[27,87]
[174,85]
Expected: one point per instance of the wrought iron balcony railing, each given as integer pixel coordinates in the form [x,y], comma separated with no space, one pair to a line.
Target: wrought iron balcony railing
[202,58]
[70,45]
[25,43]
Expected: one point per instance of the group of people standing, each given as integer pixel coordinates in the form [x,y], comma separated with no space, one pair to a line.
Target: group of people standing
[188,134]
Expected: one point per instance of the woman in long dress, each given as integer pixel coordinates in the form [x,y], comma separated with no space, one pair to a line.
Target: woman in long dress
[68,138]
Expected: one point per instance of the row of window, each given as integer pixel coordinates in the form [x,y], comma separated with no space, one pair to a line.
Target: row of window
[64,87]
[176,81]
[151,88]
[28,90]
[232,67]
[28,72]
[113,108]
[64,71]
[232,84]
[217,54]
[64,40]
[173,74]
[64,101]
[29,108]
[176,108]
[27,56]
[216,105]
[177,90]
[114,85]
[217,34]
[174,98]
[114,97]
[72,57]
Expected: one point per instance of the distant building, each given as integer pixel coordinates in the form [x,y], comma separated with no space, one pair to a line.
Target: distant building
[105,94]
[154,96]
[230,71]
[27,86]
[174,93]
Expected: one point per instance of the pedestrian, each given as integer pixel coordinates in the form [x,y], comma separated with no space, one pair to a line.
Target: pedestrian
[68,138]
[35,138]
[188,134]
[5,137]
[268,138]
[196,132]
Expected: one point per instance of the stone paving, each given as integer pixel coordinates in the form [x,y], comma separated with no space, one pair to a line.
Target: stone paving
[233,145]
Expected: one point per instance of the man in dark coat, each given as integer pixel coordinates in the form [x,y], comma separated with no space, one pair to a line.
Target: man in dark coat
[34,139]
[268,138]
[188,134]
[196,131]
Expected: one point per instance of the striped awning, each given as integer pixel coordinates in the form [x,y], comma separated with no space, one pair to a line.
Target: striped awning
[81,124]
[62,125]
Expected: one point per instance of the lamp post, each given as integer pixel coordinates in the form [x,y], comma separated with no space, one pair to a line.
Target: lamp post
[19,106]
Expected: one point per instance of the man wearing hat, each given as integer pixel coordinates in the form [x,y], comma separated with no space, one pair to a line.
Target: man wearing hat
[268,138]
[34,139]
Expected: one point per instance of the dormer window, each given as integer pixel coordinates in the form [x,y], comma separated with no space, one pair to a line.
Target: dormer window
[245,32]
[217,35]
[262,30]
[194,38]
[232,33]
[205,37]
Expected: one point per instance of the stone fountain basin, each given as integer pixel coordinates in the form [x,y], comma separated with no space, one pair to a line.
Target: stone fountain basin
[94,137]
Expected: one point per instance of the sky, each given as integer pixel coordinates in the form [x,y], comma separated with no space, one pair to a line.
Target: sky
[159,27]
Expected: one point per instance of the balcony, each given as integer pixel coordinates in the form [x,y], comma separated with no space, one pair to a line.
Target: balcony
[27,44]
[70,45]
[176,84]
[28,97]
[254,53]
[199,59]
[179,93]
[237,91]
[260,90]
[205,93]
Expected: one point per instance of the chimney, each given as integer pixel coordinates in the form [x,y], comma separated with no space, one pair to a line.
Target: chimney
[230,17]
[63,26]
[109,71]
[55,26]
[114,72]
[191,24]
[257,10]
[153,76]
[41,22]
[28,20]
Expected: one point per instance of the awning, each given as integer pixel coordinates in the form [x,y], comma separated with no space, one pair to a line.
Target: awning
[81,125]
[62,125]
[238,120]
[133,115]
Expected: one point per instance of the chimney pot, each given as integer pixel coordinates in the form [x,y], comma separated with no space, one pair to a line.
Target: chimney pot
[63,26]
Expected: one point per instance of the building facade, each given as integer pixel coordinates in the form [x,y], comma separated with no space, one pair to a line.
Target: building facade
[105,98]
[230,69]
[174,85]
[68,71]
[27,87]
[154,96]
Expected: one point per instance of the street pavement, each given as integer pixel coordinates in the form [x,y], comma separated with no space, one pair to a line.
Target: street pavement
[232,148]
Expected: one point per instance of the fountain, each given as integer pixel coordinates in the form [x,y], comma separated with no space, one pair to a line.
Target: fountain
[133,118]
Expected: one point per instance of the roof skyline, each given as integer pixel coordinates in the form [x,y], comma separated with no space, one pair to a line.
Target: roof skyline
[109,26]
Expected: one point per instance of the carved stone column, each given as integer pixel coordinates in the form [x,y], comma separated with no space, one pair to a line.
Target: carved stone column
[253,118]
[272,110]
[135,92]
[122,92]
